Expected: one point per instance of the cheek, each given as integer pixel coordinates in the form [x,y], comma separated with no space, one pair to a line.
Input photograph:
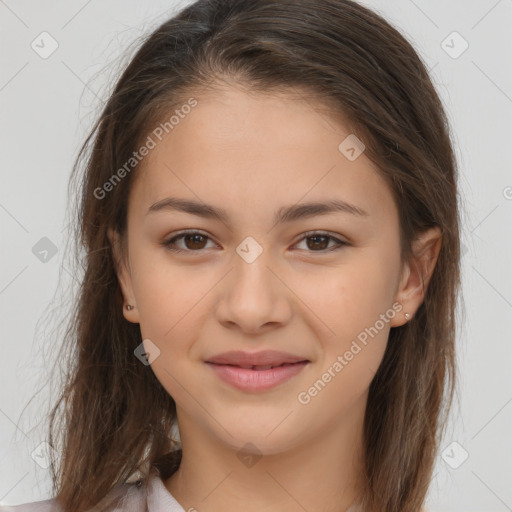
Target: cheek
[355,306]
[166,295]
[352,314]
[172,302]
[169,308]
[347,298]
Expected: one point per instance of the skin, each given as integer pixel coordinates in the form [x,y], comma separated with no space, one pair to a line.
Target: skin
[253,153]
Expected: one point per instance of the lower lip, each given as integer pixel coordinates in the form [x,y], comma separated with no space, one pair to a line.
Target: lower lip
[256,380]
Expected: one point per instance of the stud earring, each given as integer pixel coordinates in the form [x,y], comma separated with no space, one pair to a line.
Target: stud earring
[407,316]
[129,307]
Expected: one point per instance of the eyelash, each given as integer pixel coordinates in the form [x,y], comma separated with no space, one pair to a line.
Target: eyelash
[310,234]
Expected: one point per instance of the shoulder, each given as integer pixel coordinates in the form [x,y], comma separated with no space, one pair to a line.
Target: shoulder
[125,496]
[356,507]
[36,506]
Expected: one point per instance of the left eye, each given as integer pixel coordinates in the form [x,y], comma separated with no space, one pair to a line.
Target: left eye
[321,241]
[196,241]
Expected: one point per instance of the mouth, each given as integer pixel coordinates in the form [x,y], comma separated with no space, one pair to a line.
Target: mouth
[264,359]
[257,378]
[260,367]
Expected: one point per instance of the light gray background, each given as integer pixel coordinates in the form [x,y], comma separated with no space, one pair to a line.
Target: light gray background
[47,105]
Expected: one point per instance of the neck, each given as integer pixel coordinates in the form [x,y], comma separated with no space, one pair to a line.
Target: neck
[321,473]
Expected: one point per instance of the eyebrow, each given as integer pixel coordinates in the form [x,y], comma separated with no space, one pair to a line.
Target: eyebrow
[283,215]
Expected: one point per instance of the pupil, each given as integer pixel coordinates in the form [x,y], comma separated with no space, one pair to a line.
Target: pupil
[194,240]
[316,237]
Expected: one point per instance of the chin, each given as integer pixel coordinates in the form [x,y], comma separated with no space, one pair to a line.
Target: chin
[258,442]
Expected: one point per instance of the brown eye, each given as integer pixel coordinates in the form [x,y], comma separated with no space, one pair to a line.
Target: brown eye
[193,242]
[319,242]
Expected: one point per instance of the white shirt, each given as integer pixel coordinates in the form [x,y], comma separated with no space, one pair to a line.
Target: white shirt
[127,497]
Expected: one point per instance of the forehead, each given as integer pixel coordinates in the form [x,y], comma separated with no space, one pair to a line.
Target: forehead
[254,149]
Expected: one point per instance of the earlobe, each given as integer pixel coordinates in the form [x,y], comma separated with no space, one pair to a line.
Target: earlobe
[124,278]
[417,273]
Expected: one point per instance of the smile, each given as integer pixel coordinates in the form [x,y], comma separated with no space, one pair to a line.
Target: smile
[256,378]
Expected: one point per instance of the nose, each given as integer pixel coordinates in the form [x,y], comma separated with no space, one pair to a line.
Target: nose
[254,297]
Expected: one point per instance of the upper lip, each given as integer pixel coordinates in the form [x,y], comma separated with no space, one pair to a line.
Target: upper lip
[263,358]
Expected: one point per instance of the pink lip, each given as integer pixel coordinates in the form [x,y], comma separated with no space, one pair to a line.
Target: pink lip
[262,358]
[256,380]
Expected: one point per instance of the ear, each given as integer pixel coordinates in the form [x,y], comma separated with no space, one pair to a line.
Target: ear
[124,276]
[416,274]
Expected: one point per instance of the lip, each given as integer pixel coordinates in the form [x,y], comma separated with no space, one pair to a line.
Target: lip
[256,380]
[235,369]
[262,358]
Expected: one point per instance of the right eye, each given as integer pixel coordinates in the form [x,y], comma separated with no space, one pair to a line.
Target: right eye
[194,239]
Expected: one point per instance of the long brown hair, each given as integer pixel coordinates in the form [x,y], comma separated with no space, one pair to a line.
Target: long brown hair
[113,416]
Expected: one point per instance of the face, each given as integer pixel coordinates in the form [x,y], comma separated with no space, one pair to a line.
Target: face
[319,285]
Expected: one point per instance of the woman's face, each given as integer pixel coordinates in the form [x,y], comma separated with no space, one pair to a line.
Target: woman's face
[250,279]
